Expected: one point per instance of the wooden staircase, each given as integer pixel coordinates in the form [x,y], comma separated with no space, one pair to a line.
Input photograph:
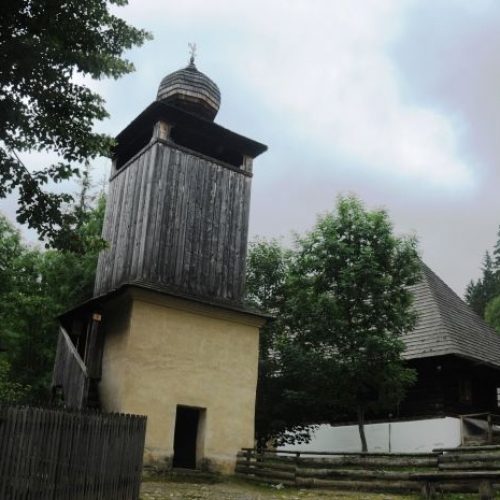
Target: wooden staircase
[480,429]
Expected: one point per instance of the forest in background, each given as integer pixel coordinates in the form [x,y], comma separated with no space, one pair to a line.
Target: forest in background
[483,294]
[44,108]
[37,285]
[342,289]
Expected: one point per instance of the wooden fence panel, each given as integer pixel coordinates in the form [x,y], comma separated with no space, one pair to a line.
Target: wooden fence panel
[60,454]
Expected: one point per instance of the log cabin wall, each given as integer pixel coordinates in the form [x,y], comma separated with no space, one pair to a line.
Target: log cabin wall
[177,220]
[449,385]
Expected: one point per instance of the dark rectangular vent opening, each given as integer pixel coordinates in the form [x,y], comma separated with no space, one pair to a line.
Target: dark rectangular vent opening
[205,145]
[129,151]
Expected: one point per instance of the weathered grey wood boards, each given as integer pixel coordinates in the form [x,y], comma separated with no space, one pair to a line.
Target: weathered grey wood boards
[191,90]
[56,454]
[70,373]
[424,472]
[177,220]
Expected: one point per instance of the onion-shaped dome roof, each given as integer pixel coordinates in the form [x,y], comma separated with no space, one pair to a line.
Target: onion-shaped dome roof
[191,90]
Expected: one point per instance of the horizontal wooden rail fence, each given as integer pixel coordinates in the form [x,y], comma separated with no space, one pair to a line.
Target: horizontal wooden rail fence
[61,454]
[426,472]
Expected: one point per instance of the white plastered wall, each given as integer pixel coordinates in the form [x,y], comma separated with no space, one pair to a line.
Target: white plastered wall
[416,436]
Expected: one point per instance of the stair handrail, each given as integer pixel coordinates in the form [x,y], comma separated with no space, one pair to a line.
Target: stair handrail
[70,372]
[489,422]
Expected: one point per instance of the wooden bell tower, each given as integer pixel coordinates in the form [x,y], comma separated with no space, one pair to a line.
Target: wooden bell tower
[179,197]
[178,344]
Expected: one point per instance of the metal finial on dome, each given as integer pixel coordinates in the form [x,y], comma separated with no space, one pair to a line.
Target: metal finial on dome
[192,51]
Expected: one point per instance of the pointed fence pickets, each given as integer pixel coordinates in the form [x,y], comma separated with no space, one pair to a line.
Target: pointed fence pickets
[60,454]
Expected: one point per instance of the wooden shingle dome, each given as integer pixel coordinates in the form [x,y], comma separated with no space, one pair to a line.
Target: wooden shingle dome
[192,91]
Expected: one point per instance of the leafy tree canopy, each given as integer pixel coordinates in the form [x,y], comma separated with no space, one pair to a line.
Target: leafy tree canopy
[284,407]
[35,287]
[481,292]
[342,305]
[44,45]
[492,313]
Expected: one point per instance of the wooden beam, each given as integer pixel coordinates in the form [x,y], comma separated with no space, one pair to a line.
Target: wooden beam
[94,348]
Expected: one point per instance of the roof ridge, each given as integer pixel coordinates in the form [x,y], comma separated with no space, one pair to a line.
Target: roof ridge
[465,308]
[447,325]
[428,274]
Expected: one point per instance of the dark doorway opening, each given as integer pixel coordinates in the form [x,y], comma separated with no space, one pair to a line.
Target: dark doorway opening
[186,437]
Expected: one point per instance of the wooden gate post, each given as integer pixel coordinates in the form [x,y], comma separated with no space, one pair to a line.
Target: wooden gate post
[297,466]
[486,491]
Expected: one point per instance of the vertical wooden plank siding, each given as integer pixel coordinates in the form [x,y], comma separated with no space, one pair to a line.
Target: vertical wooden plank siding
[176,220]
[61,454]
[70,373]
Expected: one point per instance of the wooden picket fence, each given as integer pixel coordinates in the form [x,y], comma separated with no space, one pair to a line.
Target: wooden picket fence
[62,454]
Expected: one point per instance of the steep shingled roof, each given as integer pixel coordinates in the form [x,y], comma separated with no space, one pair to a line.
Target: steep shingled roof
[446,325]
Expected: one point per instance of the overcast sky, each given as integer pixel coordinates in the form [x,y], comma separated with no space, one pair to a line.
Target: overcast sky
[396,101]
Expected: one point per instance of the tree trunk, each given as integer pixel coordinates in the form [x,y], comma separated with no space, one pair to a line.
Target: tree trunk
[361,427]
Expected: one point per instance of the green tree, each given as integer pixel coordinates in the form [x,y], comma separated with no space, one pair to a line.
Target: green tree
[496,252]
[284,407]
[44,45]
[482,291]
[492,313]
[342,302]
[10,391]
[351,282]
[40,285]
[11,248]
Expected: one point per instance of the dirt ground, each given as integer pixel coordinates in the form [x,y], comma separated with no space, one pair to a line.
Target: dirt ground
[239,490]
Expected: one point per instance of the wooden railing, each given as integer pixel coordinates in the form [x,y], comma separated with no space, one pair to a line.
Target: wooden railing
[480,428]
[70,373]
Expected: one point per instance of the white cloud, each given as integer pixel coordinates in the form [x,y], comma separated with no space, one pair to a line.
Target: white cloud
[323,66]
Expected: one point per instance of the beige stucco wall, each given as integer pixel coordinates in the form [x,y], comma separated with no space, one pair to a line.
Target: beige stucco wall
[173,352]
[116,328]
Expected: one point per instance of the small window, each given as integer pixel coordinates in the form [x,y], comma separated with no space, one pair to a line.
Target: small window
[206,145]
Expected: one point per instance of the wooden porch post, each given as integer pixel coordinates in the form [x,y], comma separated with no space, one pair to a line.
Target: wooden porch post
[93,352]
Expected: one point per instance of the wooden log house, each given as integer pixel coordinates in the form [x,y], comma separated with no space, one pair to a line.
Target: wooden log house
[456,398]
[456,355]
[166,334]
